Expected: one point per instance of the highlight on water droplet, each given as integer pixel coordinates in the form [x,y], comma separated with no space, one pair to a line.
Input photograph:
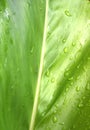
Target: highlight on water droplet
[63,40]
[73,44]
[54,119]
[54,111]
[29,3]
[67,12]
[53,80]
[66,73]
[65,50]
[61,123]
[67,89]
[88,86]
[7,14]
[80,104]
[71,78]
[77,88]
[31,51]
[47,73]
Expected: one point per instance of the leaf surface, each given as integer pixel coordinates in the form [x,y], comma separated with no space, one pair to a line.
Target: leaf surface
[44,65]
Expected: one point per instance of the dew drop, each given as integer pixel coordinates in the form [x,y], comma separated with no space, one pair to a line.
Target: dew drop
[73,126]
[88,86]
[53,80]
[47,73]
[31,51]
[78,66]
[84,68]
[66,73]
[78,77]
[71,78]
[71,58]
[56,105]
[29,3]
[71,83]
[7,14]
[55,112]
[40,9]
[65,50]
[64,40]
[18,69]
[61,123]
[80,105]
[67,13]
[77,89]
[73,44]
[5,63]
[88,58]
[12,87]
[54,119]
[43,114]
[84,97]
[67,89]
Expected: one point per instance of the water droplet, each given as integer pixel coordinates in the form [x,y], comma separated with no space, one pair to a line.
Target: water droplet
[67,13]
[54,119]
[71,58]
[53,80]
[12,87]
[73,126]
[65,50]
[43,113]
[78,77]
[40,9]
[80,105]
[71,78]
[31,51]
[56,105]
[84,97]
[71,83]
[7,14]
[77,54]
[29,3]
[88,86]
[5,63]
[78,66]
[61,123]
[66,73]
[67,89]
[88,58]
[77,89]
[18,69]
[55,112]
[73,44]
[47,73]
[84,68]
[64,40]
[9,109]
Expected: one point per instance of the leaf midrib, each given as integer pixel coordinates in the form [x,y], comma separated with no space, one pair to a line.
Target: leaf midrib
[35,105]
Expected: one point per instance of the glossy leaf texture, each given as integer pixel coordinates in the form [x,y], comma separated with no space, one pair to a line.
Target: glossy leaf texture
[64,102]
[64,98]
[21,32]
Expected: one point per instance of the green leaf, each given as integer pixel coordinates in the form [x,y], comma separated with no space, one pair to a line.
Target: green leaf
[44,65]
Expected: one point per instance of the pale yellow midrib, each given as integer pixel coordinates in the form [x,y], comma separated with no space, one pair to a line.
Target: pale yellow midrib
[35,106]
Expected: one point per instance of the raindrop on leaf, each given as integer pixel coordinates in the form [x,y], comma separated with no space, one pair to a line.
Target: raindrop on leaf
[54,119]
[47,73]
[77,88]
[53,80]
[65,50]
[73,44]
[67,13]
[64,40]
